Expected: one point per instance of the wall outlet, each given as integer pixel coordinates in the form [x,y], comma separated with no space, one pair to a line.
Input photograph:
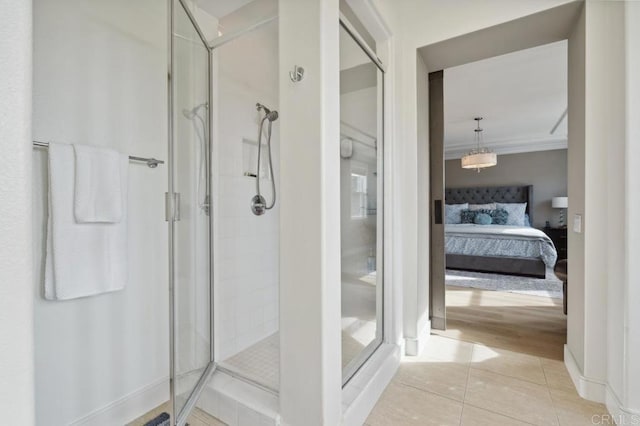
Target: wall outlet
[577,223]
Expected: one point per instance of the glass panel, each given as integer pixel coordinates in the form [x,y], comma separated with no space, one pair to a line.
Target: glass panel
[246,251]
[361,203]
[191,238]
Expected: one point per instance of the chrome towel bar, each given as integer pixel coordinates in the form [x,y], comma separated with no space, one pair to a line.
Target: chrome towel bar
[151,162]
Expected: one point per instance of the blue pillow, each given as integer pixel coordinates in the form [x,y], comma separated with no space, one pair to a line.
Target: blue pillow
[499,216]
[467,216]
[452,212]
[482,219]
[516,212]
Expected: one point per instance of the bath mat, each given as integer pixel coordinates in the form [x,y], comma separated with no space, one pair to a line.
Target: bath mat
[550,286]
[161,420]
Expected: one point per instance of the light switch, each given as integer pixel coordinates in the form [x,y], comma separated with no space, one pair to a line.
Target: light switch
[577,223]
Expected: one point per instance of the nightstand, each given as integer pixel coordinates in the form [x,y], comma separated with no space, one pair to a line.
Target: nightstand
[559,238]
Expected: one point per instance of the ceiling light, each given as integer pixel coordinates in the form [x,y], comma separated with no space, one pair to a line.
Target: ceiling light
[480,157]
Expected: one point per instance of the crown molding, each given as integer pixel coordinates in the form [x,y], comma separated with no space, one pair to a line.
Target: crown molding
[510,146]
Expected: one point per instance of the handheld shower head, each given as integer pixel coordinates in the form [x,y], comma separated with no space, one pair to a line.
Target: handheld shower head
[268,114]
[272,115]
[191,113]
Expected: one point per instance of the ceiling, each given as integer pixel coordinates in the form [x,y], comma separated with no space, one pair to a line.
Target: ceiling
[221,8]
[521,95]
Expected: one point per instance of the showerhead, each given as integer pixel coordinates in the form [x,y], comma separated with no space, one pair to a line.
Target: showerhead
[191,113]
[272,115]
[269,115]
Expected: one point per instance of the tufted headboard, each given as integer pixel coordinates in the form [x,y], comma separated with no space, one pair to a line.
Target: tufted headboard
[492,194]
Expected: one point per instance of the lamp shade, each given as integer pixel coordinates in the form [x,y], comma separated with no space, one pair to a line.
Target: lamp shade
[479,160]
[560,202]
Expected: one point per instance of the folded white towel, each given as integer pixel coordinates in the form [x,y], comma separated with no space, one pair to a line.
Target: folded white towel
[98,187]
[83,259]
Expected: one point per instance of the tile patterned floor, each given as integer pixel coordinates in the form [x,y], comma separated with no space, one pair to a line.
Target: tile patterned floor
[462,383]
[259,362]
[197,417]
[498,363]
[488,381]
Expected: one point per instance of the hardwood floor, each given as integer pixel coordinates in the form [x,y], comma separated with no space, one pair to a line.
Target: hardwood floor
[521,323]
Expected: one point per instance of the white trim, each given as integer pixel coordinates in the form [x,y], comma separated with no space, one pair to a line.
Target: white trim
[369,16]
[621,415]
[587,387]
[234,401]
[128,407]
[362,392]
[414,345]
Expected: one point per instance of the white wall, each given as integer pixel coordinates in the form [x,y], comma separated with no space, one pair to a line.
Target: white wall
[631,332]
[595,337]
[416,24]
[247,247]
[16,293]
[100,79]
[310,362]
[545,170]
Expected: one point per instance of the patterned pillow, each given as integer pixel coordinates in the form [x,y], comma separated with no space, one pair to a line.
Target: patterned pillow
[482,219]
[515,211]
[499,216]
[452,213]
[467,216]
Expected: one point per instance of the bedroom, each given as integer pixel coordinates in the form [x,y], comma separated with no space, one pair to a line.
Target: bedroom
[504,221]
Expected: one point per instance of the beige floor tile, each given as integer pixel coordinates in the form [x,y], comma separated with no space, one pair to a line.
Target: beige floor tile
[208,419]
[508,363]
[557,375]
[573,410]
[511,397]
[407,406]
[445,378]
[473,416]
[446,349]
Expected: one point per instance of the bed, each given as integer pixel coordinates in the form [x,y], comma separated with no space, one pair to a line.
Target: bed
[504,249]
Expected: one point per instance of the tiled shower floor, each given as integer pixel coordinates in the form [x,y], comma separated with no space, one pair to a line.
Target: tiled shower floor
[258,363]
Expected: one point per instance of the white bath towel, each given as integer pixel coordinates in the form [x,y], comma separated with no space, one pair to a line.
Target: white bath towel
[98,184]
[83,259]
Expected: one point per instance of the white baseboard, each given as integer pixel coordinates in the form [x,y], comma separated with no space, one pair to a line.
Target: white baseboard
[621,415]
[363,391]
[236,402]
[414,345]
[129,407]
[588,388]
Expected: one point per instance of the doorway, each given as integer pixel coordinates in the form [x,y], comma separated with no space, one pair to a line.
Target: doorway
[472,292]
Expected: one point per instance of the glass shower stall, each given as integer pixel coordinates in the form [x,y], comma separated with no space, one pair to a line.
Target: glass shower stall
[223,258]
[224,150]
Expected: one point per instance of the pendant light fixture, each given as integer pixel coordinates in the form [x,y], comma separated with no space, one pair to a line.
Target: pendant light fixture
[480,157]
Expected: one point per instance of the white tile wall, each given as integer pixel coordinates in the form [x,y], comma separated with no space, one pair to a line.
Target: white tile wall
[246,250]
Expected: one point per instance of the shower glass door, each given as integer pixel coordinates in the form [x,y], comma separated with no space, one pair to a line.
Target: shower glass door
[188,212]
[361,199]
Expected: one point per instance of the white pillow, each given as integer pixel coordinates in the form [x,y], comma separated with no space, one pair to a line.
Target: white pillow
[516,212]
[488,206]
[452,213]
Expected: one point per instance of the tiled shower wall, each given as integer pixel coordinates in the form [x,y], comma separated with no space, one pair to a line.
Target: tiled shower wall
[246,251]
